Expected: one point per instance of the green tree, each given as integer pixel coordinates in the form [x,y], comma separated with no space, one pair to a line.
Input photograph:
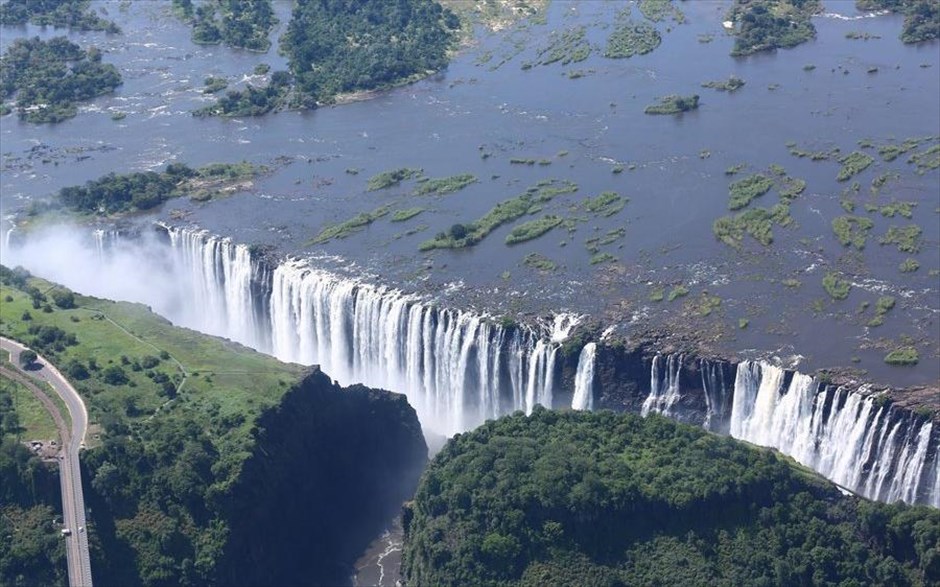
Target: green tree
[27,358]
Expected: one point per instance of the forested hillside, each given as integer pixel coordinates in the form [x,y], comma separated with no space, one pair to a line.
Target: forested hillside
[207,458]
[31,548]
[605,499]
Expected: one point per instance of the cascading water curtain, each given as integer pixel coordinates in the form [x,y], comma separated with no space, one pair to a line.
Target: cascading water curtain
[584,379]
[875,450]
[457,368]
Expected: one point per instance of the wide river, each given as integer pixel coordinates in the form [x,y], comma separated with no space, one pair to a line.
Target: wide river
[585,123]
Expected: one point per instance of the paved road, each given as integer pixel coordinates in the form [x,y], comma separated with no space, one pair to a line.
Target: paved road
[70,474]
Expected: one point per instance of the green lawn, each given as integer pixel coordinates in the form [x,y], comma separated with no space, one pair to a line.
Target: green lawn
[34,421]
[212,375]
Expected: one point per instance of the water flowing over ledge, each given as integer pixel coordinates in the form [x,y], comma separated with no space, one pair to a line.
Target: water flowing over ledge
[584,379]
[876,451]
[459,368]
[852,437]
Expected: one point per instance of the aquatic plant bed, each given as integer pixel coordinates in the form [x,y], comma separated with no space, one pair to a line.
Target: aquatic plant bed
[532,229]
[407,214]
[391,178]
[631,38]
[853,164]
[756,222]
[444,185]
[349,227]
[465,235]
[744,190]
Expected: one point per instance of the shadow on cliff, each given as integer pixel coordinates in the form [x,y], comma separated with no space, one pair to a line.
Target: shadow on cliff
[331,466]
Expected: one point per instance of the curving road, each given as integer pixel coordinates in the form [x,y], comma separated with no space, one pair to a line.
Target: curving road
[70,474]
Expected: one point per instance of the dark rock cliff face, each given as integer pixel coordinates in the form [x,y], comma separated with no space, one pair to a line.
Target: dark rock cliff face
[623,379]
[330,466]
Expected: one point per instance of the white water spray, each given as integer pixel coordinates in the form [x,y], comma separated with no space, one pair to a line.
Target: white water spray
[584,379]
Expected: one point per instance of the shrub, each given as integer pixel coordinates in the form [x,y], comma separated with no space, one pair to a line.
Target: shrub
[906,355]
[836,287]
[28,357]
[458,231]
[114,375]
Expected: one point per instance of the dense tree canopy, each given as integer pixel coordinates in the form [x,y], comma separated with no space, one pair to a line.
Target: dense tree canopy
[762,25]
[31,550]
[243,24]
[48,78]
[336,46]
[137,191]
[76,14]
[223,485]
[607,499]
[340,46]
[921,17]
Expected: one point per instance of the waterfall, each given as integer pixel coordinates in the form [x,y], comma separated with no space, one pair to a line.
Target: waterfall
[8,237]
[716,395]
[216,276]
[664,392]
[877,451]
[104,240]
[584,379]
[451,364]
[459,368]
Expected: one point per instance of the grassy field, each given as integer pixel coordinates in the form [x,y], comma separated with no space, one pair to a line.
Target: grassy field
[35,422]
[230,383]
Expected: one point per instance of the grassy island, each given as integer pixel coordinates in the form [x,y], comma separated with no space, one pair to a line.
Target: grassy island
[391,178]
[745,190]
[466,235]
[532,229]
[579,498]
[732,84]
[673,104]
[659,10]
[356,224]
[445,185]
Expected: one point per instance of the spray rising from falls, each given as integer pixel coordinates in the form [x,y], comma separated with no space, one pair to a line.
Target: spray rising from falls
[457,368]
[584,379]
[875,450]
